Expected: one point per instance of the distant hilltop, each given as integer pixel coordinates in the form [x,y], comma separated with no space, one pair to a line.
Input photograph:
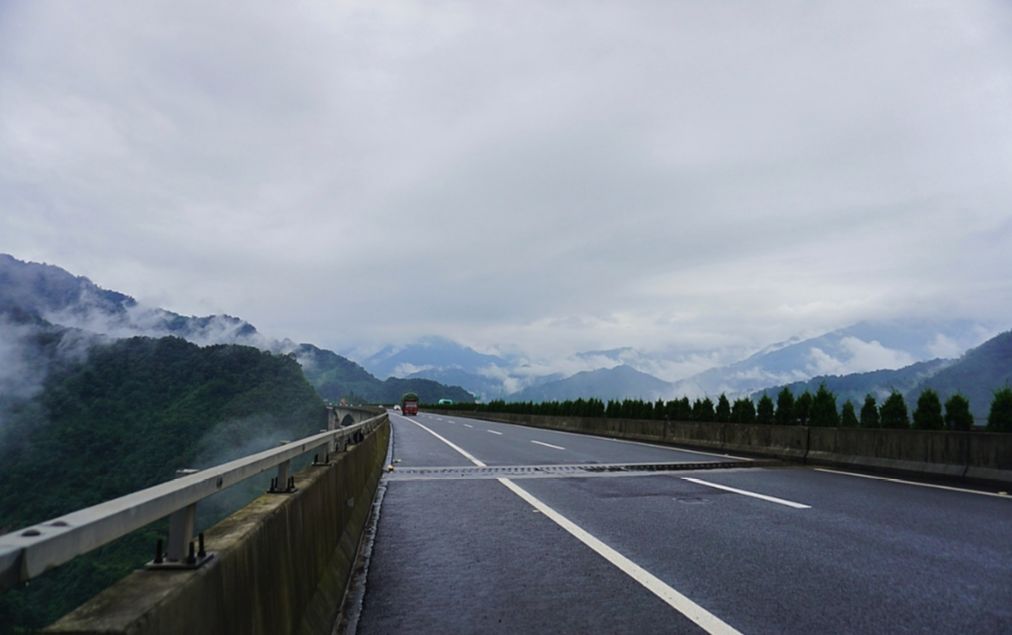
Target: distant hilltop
[47,296]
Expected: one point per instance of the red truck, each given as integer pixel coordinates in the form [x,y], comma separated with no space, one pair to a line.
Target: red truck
[409,404]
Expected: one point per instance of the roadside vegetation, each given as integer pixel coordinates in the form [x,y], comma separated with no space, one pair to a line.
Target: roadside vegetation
[819,409]
[124,419]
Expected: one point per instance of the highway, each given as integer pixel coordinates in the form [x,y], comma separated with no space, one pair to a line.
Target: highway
[490,527]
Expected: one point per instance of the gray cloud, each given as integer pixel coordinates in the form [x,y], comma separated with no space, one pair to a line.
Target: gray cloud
[551,178]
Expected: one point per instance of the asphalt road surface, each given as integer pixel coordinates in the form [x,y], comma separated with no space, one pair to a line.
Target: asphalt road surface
[496,528]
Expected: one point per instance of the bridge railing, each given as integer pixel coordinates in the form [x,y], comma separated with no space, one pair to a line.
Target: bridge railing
[28,552]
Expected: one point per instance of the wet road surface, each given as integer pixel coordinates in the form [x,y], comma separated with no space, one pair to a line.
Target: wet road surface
[494,528]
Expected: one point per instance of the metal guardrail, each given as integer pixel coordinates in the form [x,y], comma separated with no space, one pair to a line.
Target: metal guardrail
[28,552]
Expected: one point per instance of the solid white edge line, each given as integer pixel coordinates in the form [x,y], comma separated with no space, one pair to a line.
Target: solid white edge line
[700,616]
[771,499]
[548,445]
[697,614]
[467,455]
[899,480]
[494,432]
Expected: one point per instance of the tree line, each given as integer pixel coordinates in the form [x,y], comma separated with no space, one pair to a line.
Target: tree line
[819,409]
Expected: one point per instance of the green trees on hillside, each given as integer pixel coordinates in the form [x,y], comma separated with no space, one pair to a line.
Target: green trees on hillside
[803,408]
[819,409]
[124,419]
[928,415]
[702,410]
[679,409]
[785,407]
[957,413]
[869,413]
[723,409]
[764,411]
[848,417]
[823,412]
[893,413]
[1000,417]
[743,411]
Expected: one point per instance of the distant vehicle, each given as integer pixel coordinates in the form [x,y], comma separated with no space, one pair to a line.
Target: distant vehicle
[445,402]
[409,403]
[397,407]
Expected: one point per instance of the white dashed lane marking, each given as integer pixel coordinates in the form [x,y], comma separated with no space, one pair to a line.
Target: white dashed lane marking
[549,445]
[744,492]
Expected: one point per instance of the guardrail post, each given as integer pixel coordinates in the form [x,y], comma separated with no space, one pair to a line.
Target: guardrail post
[332,425]
[328,450]
[283,483]
[181,525]
[180,552]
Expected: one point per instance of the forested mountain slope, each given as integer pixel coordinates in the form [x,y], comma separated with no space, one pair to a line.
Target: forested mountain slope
[125,418]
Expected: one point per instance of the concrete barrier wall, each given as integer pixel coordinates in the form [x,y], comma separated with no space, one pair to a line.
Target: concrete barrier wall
[787,442]
[282,562]
[992,456]
[696,434]
[973,455]
[979,456]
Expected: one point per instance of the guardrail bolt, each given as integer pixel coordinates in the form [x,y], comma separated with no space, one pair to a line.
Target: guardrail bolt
[158,552]
[200,540]
[192,557]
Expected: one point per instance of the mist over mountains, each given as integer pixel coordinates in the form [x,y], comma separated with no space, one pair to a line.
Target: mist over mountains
[48,315]
[44,304]
[899,349]
[58,297]
[515,376]
[615,383]
[878,383]
[976,375]
[862,347]
[429,353]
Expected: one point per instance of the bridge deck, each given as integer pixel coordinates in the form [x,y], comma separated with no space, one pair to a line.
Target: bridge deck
[497,528]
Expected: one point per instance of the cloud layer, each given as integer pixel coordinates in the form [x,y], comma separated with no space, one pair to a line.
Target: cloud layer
[673,175]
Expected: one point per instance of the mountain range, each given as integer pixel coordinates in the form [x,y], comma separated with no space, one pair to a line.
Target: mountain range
[897,353]
[976,375]
[605,383]
[40,296]
[865,347]
[879,383]
[862,347]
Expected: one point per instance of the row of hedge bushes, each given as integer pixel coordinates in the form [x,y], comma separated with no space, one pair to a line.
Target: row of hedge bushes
[819,409]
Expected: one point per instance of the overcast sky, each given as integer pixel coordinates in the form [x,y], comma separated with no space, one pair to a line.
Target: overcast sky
[544,176]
